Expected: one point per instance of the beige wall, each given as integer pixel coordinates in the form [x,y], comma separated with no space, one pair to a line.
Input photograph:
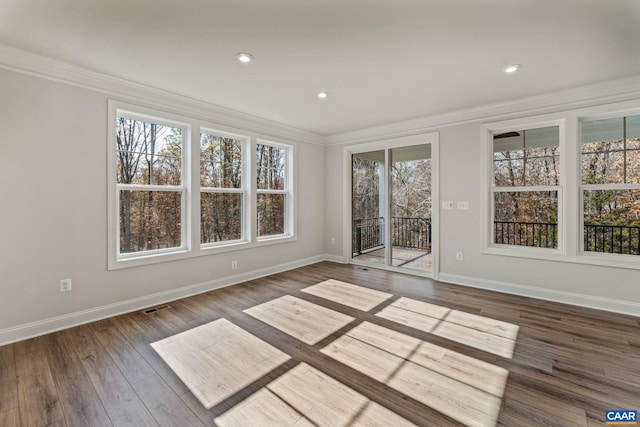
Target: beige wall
[53,211]
[460,179]
[53,224]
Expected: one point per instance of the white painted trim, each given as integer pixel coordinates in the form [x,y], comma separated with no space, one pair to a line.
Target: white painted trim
[45,326]
[191,246]
[624,89]
[489,188]
[432,138]
[435,206]
[581,300]
[53,324]
[18,60]
[339,259]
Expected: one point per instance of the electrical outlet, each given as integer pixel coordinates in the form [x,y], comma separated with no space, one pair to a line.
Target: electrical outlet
[463,205]
[234,265]
[447,205]
[459,256]
[333,240]
[65,285]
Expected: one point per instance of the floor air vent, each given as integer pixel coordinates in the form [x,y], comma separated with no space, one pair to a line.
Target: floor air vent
[156,309]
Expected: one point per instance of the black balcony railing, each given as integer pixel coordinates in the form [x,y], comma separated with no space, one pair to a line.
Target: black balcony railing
[413,233]
[612,239]
[368,233]
[538,234]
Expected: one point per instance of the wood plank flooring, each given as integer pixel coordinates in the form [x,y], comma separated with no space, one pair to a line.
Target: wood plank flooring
[218,359]
[354,296]
[301,319]
[568,364]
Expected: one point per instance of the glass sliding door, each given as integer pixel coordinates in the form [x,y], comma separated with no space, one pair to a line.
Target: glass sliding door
[410,210]
[368,206]
[391,207]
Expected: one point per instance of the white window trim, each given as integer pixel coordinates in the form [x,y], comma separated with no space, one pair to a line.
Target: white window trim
[431,138]
[245,177]
[601,258]
[489,188]
[191,246]
[570,180]
[289,210]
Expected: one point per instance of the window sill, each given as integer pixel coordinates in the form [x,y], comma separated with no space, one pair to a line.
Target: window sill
[555,255]
[179,254]
[524,252]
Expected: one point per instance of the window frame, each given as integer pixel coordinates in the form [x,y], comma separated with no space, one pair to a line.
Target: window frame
[288,191]
[190,188]
[245,148]
[117,110]
[602,258]
[489,189]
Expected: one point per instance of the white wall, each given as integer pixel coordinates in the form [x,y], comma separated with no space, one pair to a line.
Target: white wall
[610,288]
[53,215]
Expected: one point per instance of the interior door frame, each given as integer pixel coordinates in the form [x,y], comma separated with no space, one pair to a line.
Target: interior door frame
[431,138]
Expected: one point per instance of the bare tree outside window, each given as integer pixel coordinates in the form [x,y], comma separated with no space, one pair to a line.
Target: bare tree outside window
[409,199]
[526,175]
[271,171]
[610,164]
[149,179]
[221,188]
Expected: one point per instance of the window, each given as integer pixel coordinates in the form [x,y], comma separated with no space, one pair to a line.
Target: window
[525,187]
[180,187]
[273,195]
[150,185]
[222,188]
[610,164]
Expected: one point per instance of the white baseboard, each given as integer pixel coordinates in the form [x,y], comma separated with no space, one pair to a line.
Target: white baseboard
[582,300]
[335,258]
[41,327]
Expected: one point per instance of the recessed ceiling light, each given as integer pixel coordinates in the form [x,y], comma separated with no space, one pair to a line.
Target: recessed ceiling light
[244,57]
[323,95]
[512,68]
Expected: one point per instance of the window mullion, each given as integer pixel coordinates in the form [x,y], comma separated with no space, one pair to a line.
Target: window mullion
[141,187]
[536,188]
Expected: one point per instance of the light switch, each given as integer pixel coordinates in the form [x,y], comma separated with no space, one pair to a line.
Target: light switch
[447,205]
[463,205]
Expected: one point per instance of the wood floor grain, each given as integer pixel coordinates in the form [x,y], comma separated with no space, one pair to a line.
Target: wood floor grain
[566,367]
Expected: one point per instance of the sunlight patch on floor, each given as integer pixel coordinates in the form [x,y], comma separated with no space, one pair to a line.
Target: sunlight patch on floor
[301,319]
[354,296]
[304,396]
[218,359]
[461,387]
[490,335]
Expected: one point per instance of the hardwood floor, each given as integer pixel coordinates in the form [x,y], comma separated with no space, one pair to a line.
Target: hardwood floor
[384,360]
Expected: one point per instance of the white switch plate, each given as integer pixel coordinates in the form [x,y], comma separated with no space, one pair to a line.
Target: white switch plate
[447,205]
[463,205]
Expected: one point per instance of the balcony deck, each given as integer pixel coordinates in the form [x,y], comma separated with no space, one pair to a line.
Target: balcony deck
[402,257]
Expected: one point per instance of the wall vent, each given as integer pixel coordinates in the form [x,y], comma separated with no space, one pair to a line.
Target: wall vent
[156,309]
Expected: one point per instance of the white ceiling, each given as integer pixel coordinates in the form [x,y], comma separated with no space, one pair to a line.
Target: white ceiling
[382,61]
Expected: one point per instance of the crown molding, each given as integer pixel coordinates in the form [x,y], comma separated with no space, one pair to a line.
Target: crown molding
[18,60]
[24,62]
[619,90]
